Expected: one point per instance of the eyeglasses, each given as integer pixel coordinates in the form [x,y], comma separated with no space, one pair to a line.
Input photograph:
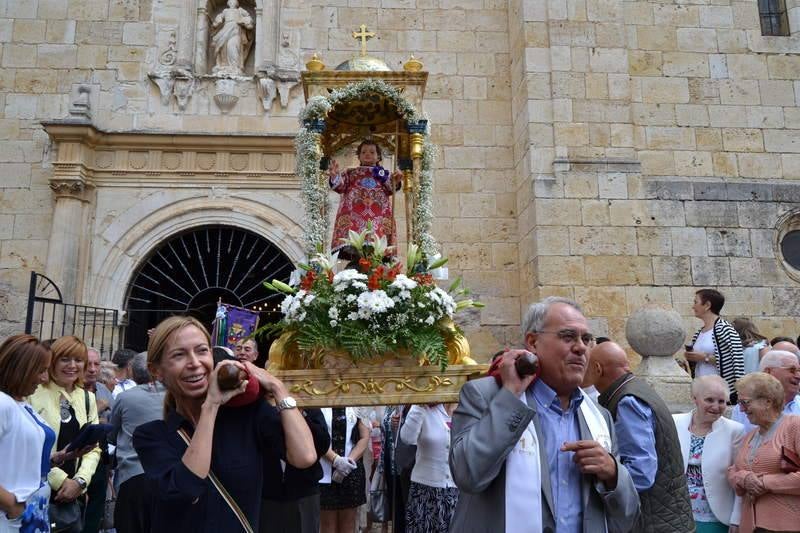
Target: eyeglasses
[570,336]
[792,369]
[745,402]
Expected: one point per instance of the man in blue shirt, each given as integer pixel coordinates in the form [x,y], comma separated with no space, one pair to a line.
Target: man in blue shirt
[648,441]
[783,366]
[532,454]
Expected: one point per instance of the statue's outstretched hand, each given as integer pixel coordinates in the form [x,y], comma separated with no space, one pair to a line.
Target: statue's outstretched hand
[333,168]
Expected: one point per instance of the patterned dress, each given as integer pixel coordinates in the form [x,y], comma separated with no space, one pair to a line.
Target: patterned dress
[703,515]
[366,196]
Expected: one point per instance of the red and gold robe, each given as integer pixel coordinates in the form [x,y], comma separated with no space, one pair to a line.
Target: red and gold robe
[364,198]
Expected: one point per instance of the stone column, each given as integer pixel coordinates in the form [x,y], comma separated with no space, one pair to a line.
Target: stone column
[201,42]
[657,333]
[66,254]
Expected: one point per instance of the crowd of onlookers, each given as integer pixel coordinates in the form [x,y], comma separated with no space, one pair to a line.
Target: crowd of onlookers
[177,444]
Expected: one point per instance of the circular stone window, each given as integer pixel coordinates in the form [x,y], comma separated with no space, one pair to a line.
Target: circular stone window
[789,244]
[790,248]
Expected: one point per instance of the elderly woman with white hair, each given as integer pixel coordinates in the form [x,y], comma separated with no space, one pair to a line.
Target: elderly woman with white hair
[783,366]
[708,444]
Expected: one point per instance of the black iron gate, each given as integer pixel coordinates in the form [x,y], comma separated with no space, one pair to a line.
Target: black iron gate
[50,317]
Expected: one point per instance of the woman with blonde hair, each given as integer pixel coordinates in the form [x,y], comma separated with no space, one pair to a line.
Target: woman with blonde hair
[25,439]
[205,460]
[766,473]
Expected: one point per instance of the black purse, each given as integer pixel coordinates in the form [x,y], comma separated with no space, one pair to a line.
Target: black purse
[66,517]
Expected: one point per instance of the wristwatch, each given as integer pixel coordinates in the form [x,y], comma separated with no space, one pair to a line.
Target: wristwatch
[287,403]
[81,482]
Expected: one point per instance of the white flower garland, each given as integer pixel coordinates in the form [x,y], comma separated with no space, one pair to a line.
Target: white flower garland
[314,192]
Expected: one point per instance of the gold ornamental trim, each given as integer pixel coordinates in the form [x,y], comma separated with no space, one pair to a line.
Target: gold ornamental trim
[377,386]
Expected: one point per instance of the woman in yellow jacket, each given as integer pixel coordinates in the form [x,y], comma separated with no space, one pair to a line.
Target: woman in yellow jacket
[66,407]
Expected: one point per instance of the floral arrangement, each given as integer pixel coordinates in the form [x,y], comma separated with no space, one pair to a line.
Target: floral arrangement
[372,309]
[314,189]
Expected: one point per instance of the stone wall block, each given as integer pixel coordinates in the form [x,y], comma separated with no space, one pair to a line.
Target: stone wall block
[689,241]
[619,270]
[787,300]
[556,212]
[665,90]
[758,192]
[660,213]
[710,271]
[668,189]
[728,242]
[742,140]
[654,241]
[672,270]
[696,39]
[762,242]
[595,213]
[710,191]
[561,270]
[757,214]
[782,141]
[602,301]
[711,214]
[753,165]
[602,241]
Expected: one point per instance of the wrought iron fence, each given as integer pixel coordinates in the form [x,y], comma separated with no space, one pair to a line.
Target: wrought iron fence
[50,317]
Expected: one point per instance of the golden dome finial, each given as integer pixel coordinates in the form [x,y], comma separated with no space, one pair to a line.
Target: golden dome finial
[412,65]
[315,64]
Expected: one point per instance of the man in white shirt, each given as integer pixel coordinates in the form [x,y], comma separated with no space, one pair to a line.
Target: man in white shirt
[783,366]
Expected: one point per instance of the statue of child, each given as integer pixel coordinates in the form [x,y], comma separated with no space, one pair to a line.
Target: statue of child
[366,192]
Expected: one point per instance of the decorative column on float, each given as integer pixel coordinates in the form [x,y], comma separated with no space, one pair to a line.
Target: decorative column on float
[657,334]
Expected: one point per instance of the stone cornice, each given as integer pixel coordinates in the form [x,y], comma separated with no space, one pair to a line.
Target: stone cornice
[171,160]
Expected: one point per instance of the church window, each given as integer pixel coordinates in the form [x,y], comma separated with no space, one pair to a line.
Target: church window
[773,17]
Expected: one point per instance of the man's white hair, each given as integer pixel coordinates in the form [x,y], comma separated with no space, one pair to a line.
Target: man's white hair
[536,313]
[775,359]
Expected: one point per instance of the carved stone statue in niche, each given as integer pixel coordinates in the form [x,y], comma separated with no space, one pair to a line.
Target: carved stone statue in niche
[232,39]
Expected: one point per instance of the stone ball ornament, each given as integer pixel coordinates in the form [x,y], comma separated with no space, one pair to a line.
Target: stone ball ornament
[654,330]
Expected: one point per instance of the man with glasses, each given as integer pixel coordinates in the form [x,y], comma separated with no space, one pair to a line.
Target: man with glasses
[648,441]
[782,365]
[532,453]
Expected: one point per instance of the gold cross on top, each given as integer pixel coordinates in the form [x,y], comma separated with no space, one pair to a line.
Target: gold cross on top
[363,36]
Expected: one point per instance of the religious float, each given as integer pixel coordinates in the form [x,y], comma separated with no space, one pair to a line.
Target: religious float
[378,330]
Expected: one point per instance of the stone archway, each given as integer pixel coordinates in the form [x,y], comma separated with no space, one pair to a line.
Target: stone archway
[188,272]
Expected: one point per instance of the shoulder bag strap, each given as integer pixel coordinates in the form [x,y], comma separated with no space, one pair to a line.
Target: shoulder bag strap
[86,401]
[222,492]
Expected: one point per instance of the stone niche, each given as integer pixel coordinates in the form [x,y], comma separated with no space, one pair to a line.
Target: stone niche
[228,48]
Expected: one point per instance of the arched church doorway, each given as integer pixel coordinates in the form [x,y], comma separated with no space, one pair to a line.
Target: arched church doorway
[189,272]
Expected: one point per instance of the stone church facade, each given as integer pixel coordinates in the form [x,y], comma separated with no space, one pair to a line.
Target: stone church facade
[618,152]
